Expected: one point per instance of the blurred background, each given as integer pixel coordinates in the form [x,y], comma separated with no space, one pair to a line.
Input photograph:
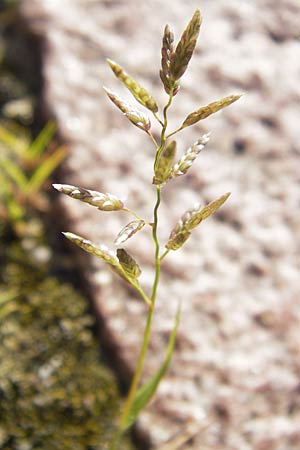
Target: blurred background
[234,382]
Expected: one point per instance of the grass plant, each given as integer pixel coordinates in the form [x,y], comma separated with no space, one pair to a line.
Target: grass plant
[25,167]
[174,62]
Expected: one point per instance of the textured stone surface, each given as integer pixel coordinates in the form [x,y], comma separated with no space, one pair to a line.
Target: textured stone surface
[236,367]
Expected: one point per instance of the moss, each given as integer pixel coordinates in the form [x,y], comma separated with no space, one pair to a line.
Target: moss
[54,392]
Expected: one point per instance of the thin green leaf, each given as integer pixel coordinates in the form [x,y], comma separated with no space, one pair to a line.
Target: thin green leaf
[39,145]
[44,171]
[146,392]
[15,210]
[17,145]
[15,173]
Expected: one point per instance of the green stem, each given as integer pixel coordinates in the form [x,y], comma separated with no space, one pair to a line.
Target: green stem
[158,119]
[147,332]
[133,213]
[174,132]
[163,132]
[152,139]
[164,255]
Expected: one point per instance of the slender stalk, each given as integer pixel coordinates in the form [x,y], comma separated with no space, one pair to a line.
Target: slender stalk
[137,216]
[164,255]
[152,139]
[158,119]
[163,132]
[147,331]
[174,132]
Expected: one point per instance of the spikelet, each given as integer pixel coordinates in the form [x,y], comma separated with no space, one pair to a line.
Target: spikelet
[167,53]
[101,251]
[176,240]
[128,264]
[209,109]
[191,219]
[183,165]
[140,94]
[104,202]
[135,116]
[164,165]
[185,47]
[129,230]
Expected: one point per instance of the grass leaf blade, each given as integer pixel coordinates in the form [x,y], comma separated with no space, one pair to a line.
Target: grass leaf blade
[15,173]
[146,392]
[43,172]
[41,142]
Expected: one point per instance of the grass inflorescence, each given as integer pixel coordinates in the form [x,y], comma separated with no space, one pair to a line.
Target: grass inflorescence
[174,63]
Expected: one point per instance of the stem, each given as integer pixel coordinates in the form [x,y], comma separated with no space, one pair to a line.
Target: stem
[163,132]
[174,132]
[164,255]
[133,213]
[147,332]
[152,139]
[158,119]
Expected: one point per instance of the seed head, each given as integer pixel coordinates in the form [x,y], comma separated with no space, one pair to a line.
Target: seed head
[190,219]
[185,47]
[164,165]
[135,116]
[128,264]
[129,230]
[140,93]
[183,165]
[104,202]
[209,109]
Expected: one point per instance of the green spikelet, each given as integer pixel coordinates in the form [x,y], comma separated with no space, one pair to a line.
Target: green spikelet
[209,109]
[128,264]
[140,93]
[104,202]
[185,47]
[135,116]
[165,162]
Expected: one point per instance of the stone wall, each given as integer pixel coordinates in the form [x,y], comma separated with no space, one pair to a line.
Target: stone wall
[235,375]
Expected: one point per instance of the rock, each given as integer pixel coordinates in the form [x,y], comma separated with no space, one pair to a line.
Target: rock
[241,265]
